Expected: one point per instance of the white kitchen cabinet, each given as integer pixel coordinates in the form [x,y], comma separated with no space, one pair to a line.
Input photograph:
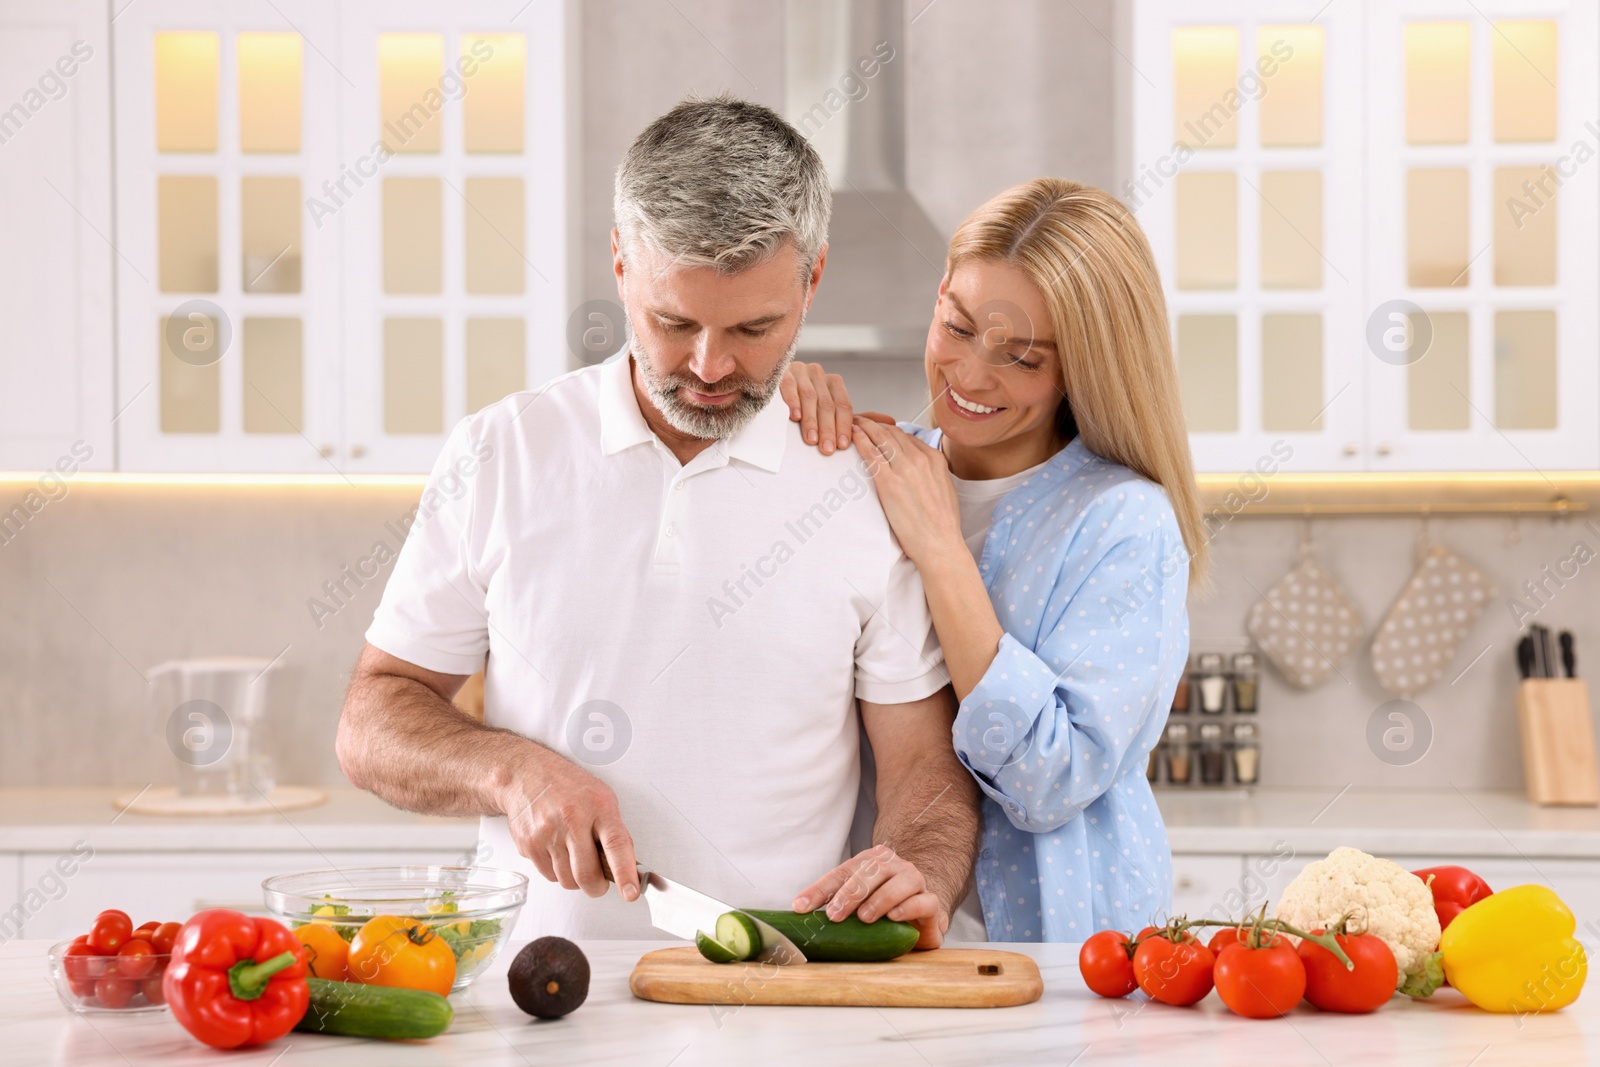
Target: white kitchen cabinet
[174,885]
[1204,886]
[1310,239]
[367,202]
[56,403]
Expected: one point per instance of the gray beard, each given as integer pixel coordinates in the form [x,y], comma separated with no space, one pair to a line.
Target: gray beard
[708,423]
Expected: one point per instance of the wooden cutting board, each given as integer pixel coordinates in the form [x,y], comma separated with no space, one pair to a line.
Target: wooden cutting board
[942,978]
[1558,753]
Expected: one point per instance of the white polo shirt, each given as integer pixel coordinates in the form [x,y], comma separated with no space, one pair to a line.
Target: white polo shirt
[695,635]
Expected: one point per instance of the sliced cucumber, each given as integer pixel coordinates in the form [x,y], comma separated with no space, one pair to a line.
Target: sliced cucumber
[847,941]
[739,933]
[714,950]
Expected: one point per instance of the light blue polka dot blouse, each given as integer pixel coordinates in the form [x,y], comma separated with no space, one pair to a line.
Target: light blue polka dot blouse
[1089,577]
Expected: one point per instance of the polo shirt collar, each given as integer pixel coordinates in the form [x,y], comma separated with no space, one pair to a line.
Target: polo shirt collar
[761,443]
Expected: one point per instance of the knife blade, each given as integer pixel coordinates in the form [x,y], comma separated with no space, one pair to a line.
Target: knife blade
[682,912]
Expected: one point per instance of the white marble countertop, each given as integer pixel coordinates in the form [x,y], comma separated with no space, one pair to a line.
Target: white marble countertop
[1443,822]
[1068,1026]
[50,820]
[1411,822]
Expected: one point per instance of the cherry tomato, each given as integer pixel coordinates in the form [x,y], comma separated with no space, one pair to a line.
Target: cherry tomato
[151,988]
[109,930]
[392,951]
[81,939]
[326,952]
[1332,988]
[1260,983]
[1106,967]
[115,992]
[135,959]
[144,930]
[75,961]
[1177,974]
[163,938]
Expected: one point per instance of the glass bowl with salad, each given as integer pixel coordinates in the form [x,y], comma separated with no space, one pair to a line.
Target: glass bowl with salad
[473,909]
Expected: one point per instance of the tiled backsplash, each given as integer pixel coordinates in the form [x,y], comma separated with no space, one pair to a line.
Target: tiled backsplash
[112,580]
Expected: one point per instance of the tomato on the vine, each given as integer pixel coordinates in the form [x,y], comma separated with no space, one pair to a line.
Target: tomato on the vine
[1171,972]
[1261,983]
[1366,988]
[1228,935]
[1106,966]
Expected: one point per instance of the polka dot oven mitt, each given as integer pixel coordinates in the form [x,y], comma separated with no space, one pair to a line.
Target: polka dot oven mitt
[1306,624]
[1428,621]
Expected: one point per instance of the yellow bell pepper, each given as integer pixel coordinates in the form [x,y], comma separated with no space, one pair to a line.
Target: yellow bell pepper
[1514,952]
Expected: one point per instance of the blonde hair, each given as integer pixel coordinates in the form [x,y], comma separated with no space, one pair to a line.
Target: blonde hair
[1093,266]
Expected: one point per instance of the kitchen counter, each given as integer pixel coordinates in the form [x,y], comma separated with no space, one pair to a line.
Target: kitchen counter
[1412,822]
[51,820]
[1068,1026]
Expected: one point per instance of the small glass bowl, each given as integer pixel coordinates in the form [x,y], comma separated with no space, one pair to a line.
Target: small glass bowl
[473,908]
[91,984]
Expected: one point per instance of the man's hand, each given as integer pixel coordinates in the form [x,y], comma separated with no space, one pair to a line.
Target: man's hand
[561,817]
[878,883]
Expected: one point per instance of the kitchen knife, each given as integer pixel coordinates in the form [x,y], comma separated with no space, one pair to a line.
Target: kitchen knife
[682,911]
[1569,660]
[1547,652]
[1525,656]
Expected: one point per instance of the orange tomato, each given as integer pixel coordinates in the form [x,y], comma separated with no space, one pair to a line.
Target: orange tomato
[326,951]
[401,952]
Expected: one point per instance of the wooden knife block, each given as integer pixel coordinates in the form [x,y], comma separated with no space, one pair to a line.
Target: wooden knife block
[1558,756]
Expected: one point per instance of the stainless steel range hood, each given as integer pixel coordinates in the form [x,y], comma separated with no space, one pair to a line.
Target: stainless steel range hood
[885,256]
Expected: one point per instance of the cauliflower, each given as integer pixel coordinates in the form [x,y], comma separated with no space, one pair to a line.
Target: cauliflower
[1382,897]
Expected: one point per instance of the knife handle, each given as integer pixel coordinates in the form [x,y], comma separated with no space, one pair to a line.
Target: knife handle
[605,869]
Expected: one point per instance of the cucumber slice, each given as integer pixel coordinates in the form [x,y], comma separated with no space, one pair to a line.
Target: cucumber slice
[714,950]
[738,932]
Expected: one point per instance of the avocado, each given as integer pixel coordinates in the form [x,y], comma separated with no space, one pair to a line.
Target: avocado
[549,977]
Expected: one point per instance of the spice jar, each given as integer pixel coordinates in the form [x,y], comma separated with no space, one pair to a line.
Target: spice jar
[1180,768]
[1213,757]
[1246,753]
[1180,695]
[1246,675]
[1211,680]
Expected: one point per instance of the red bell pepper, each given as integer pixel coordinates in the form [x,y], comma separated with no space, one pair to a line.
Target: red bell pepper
[1455,889]
[235,980]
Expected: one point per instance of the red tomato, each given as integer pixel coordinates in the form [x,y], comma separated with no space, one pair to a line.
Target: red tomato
[109,930]
[144,930]
[151,988]
[164,936]
[135,959]
[1105,965]
[1228,935]
[75,961]
[1173,973]
[81,939]
[115,992]
[1332,988]
[82,988]
[1260,983]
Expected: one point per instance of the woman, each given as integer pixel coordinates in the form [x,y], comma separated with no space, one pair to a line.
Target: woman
[1053,514]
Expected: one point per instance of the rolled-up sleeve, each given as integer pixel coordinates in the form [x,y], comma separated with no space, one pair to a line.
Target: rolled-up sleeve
[1047,730]
[433,612]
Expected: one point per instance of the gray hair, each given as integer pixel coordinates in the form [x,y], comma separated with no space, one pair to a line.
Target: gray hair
[723,183]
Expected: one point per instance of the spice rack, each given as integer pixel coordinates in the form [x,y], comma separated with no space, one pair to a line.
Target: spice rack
[1212,737]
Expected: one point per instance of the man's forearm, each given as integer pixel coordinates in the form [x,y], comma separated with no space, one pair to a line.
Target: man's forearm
[931,819]
[416,750]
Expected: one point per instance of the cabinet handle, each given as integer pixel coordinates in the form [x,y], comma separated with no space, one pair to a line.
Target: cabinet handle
[357,451]
[325,451]
[1384,448]
[1351,449]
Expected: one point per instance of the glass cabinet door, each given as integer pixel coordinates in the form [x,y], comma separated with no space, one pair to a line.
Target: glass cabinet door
[455,250]
[1484,260]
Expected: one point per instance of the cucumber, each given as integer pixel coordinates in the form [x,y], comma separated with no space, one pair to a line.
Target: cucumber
[739,933]
[850,941]
[714,950]
[357,1010]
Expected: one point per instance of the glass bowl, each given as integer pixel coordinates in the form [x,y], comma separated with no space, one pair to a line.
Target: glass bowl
[473,908]
[92,984]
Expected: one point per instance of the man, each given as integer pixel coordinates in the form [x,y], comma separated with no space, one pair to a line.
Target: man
[681,604]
